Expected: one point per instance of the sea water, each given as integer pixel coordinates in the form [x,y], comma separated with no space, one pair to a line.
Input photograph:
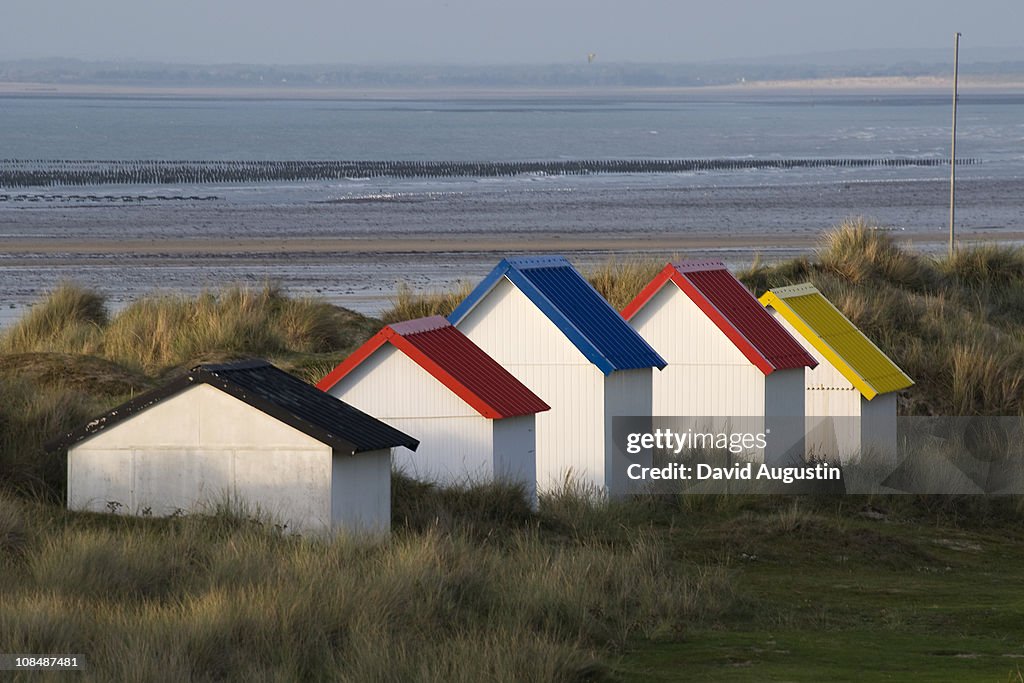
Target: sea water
[511,128]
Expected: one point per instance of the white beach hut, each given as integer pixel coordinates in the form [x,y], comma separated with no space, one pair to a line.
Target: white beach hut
[475,421]
[727,357]
[541,320]
[851,395]
[246,432]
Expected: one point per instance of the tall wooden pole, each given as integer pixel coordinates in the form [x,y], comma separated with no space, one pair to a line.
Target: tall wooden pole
[952,153]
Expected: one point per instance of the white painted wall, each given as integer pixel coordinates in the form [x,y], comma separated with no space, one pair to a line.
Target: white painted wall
[390,384]
[840,421]
[706,374]
[515,453]
[457,444]
[455,440]
[452,450]
[784,417]
[361,492]
[570,436]
[627,393]
[196,448]
[878,427]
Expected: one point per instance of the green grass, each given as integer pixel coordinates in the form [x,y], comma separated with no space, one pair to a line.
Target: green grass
[840,597]
[473,586]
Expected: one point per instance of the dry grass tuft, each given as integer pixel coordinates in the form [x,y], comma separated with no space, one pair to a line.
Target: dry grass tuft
[160,332]
[70,317]
[859,251]
[201,596]
[620,281]
[410,305]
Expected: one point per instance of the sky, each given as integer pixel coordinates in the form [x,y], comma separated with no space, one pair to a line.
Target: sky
[490,31]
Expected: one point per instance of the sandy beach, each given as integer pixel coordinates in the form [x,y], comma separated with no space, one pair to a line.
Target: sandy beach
[863,85]
[22,251]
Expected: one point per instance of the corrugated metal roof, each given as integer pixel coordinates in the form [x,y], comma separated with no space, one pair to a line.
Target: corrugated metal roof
[727,303]
[837,339]
[462,366]
[575,307]
[274,392]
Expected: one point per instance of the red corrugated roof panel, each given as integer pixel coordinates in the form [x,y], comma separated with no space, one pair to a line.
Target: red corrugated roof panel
[462,366]
[735,311]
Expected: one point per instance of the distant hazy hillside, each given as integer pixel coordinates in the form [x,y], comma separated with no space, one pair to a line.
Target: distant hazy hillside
[857,64]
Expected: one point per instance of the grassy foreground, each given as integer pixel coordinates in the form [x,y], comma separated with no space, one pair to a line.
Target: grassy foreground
[473,585]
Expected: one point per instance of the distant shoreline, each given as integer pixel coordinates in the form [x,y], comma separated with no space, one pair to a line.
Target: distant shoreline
[853,86]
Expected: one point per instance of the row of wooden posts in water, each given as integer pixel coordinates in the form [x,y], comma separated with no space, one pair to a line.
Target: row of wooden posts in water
[51,173]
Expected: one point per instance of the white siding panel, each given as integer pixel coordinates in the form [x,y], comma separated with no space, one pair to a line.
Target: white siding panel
[513,331]
[570,436]
[187,451]
[200,415]
[389,384]
[167,481]
[627,393]
[706,374]
[96,477]
[515,453]
[453,450]
[290,486]
[293,487]
[681,333]
[784,416]
[841,423]
[361,492]
[823,377]
[878,427]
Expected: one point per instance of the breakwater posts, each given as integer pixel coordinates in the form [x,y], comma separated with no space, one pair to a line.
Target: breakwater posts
[55,173]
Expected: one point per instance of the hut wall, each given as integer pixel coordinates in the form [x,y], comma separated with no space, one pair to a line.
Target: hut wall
[570,436]
[706,374]
[361,492]
[198,448]
[455,440]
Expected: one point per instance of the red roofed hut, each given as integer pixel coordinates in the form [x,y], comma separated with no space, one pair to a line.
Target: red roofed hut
[727,357]
[474,420]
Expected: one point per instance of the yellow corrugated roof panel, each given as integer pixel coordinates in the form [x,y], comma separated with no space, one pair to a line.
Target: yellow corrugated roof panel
[837,339]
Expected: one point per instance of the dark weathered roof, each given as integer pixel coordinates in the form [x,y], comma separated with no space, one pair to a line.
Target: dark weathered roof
[575,307]
[455,361]
[274,392]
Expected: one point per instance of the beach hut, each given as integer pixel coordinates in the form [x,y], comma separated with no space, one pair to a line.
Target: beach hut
[246,432]
[850,396]
[475,421]
[542,321]
[727,357]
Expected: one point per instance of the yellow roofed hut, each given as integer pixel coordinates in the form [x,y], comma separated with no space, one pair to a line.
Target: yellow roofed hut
[850,398]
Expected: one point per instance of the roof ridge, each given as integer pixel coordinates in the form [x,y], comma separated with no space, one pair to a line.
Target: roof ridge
[419,325]
[687,266]
[801,289]
[245,364]
[542,261]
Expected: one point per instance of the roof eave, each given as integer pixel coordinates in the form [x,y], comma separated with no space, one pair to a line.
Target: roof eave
[355,359]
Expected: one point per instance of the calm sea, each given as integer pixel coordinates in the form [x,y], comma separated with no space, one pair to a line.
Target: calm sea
[740,126]
[917,126]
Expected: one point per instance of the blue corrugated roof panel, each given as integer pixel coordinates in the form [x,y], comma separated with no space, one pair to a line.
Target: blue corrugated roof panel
[575,307]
